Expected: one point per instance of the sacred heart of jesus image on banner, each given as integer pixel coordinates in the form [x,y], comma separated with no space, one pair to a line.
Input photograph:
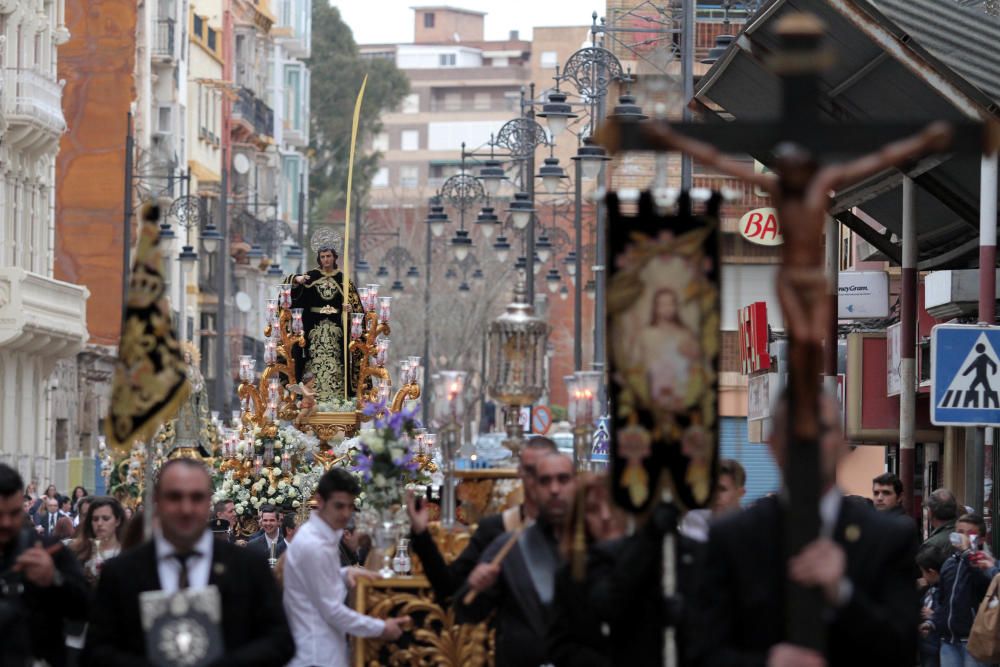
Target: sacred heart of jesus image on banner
[663,344]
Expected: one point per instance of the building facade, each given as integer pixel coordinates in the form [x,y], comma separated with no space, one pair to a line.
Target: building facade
[42,316]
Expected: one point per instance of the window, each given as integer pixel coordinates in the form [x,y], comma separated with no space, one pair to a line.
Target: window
[381,178]
[409,177]
[409,140]
[199,24]
[549,59]
[428,19]
[380,142]
[294,99]
[512,101]
[62,438]
[165,126]
[446,59]
[482,101]
[211,39]
[411,103]
[500,62]
[452,101]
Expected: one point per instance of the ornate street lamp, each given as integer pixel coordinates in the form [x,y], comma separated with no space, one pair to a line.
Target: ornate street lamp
[591,157]
[210,238]
[437,218]
[383,272]
[551,174]
[502,248]
[461,244]
[543,247]
[492,176]
[557,112]
[521,209]
[487,221]
[627,109]
[413,275]
[363,268]
[516,342]
[552,280]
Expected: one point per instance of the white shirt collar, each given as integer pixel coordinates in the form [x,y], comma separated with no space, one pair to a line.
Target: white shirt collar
[165,549]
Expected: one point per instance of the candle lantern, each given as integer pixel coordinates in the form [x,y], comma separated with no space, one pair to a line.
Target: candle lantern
[270,352]
[285,301]
[272,311]
[357,325]
[372,295]
[383,308]
[405,376]
[297,327]
[381,350]
[415,370]
[363,295]
[581,387]
[449,406]
[516,359]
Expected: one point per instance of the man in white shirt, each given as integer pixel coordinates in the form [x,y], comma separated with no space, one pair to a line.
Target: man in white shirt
[316,584]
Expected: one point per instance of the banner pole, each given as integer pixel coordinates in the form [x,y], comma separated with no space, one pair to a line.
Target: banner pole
[347,236]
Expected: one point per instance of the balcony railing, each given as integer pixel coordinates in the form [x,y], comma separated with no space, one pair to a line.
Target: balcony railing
[164,44]
[254,111]
[30,95]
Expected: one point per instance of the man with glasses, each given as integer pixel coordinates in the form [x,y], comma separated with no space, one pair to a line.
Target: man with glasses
[445,578]
[520,587]
[183,555]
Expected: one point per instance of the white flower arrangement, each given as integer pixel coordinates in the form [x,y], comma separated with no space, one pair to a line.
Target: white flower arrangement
[348,405]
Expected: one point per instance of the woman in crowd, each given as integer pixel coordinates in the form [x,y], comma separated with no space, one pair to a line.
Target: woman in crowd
[80,513]
[101,536]
[64,530]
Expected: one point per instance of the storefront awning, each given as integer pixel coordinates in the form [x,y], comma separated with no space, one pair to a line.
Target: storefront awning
[883,72]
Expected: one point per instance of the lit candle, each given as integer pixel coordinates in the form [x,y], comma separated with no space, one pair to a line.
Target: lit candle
[286,296]
[363,295]
[272,309]
[383,309]
[286,463]
[297,326]
[381,350]
[257,465]
[357,323]
[270,352]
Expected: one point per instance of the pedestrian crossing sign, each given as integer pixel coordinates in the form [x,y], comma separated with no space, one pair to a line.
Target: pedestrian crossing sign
[965,375]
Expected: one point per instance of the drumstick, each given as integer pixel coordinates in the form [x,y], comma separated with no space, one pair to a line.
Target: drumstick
[497,559]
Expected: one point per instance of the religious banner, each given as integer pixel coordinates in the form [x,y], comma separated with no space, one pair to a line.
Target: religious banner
[663,349]
[150,381]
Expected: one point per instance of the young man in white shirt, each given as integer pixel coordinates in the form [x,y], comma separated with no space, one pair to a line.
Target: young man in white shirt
[316,584]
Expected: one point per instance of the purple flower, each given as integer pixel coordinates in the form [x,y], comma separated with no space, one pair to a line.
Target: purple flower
[363,465]
[373,409]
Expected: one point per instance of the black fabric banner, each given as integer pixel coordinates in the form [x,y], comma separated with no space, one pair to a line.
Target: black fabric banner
[151,376]
[663,352]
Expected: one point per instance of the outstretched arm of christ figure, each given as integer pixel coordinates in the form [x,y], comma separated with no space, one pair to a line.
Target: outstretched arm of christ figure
[935,138]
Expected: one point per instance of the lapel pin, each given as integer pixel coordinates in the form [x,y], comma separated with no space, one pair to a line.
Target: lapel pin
[219,569]
[852,533]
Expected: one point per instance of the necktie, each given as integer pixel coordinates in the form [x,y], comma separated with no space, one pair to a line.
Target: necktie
[52,522]
[182,578]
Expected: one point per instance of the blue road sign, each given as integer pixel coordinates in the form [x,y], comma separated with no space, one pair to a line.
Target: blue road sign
[965,375]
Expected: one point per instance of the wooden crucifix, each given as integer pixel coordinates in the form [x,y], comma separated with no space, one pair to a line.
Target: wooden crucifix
[800,189]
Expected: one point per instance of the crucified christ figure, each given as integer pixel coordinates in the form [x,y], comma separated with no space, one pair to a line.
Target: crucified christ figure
[800,191]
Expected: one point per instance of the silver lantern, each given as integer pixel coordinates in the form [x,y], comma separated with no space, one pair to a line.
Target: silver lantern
[515,375]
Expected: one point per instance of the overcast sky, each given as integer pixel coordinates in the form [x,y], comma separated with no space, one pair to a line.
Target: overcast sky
[389,21]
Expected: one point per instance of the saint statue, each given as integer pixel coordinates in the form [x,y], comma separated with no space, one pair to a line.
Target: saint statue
[326,322]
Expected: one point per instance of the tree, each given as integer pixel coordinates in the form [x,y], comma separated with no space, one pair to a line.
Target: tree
[337,70]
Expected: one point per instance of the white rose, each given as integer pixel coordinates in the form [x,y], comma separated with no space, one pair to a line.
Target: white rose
[271,490]
[292,492]
[255,501]
[297,480]
[380,480]
[277,459]
[279,499]
[296,503]
[240,508]
[282,484]
[396,453]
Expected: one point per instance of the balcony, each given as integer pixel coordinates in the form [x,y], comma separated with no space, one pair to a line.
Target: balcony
[164,43]
[252,112]
[33,107]
[46,317]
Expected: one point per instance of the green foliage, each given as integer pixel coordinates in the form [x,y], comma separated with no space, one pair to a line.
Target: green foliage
[337,71]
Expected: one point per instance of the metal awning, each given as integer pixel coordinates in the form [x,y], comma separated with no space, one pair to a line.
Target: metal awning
[882,72]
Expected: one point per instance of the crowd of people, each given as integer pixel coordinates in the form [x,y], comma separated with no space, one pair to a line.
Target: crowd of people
[562,578]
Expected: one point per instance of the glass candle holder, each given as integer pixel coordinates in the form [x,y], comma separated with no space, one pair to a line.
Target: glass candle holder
[372,295]
[588,402]
[285,301]
[404,371]
[286,462]
[357,325]
[449,395]
[272,311]
[297,326]
[381,350]
[363,295]
[384,308]
[270,352]
[258,463]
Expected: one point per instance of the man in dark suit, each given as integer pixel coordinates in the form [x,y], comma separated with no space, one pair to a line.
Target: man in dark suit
[48,517]
[446,578]
[183,554]
[862,563]
[521,587]
[270,543]
[41,585]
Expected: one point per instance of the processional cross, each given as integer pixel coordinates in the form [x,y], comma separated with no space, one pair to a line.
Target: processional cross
[800,191]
